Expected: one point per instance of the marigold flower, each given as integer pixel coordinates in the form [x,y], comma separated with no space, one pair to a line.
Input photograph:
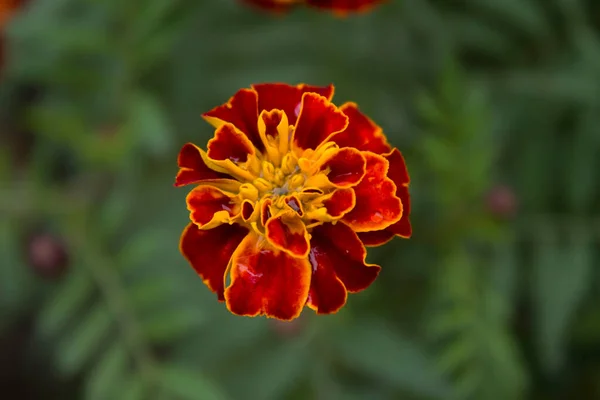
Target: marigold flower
[288,193]
[7,9]
[340,7]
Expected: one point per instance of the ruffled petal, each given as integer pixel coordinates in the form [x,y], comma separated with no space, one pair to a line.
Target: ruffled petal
[242,111]
[340,202]
[209,252]
[210,206]
[399,174]
[274,128]
[287,232]
[377,206]
[287,97]
[267,281]
[231,144]
[193,169]
[345,168]
[337,251]
[362,133]
[317,122]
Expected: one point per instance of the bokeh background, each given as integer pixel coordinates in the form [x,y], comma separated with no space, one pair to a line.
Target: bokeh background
[495,105]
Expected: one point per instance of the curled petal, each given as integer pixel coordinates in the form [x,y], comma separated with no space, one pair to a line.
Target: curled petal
[267,281]
[345,168]
[377,206]
[336,250]
[193,169]
[209,252]
[265,211]
[273,127]
[287,97]
[230,143]
[247,210]
[294,203]
[362,133]
[287,233]
[340,202]
[210,206]
[397,171]
[318,121]
[242,111]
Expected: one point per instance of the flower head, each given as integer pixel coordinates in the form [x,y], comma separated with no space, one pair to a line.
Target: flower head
[7,9]
[287,194]
[340,7]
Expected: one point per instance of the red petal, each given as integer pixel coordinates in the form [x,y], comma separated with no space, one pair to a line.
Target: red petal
[337,247]
[267,281]
[397,171]
[205,201]
[209,252]
[344,6]
[242,111]
[288,233]
[193,169]
[399,174]
[403,227]
[318,120]
[247,209]
[340,202]
[376,238]
[377,206]
[346,167]
[229,144]
[286,97]
[327,292]
[362,133]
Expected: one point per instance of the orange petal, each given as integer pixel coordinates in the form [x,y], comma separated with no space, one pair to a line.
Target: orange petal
[337,251]
[317,122]
[399,174]
[229,143]
[266,281]
[362,133]
[209,252]
[210,206]
[286,97]
[242,111]
[287,233]
[346,168]
[193,169]
[377,206]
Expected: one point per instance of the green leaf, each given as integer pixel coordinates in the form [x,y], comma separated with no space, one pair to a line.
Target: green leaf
[561,278]
[270,371]
[108,374]
[189,384]
[66,303]
[150,125]
[373,349]
[166,327]
[77,347]
[133,389]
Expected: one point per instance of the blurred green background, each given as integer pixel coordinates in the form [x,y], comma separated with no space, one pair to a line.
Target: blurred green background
[495,105]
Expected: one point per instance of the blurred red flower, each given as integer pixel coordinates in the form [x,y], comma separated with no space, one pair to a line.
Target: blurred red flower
[288,193]
[7,10]
[340,7]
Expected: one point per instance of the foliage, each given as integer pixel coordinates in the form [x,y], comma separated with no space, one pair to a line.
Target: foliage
[99,95]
